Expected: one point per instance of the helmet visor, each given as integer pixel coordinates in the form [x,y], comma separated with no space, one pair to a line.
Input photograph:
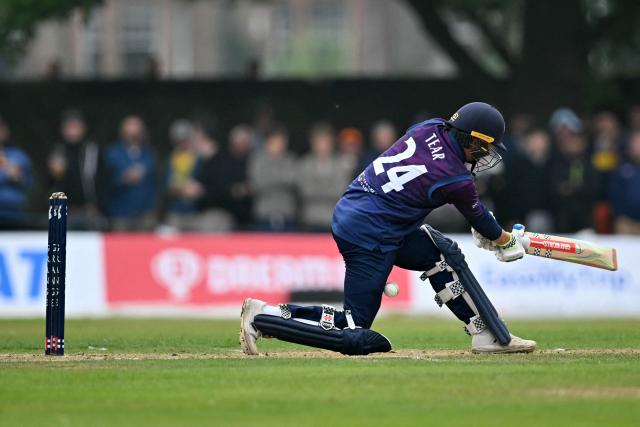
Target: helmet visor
[485,155]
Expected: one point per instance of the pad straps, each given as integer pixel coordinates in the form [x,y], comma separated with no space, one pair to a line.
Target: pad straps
[475,326]
[486,315]
[451,290]
[285,312]
[438,268]
[350,323]
[327,318]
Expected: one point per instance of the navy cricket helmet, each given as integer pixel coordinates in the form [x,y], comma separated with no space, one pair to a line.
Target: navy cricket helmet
[480,127]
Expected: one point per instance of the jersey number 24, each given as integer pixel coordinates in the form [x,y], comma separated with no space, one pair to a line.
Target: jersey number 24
[399,175]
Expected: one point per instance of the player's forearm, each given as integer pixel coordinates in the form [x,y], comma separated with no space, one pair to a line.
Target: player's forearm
[486,225]
[481,220]
[464,197]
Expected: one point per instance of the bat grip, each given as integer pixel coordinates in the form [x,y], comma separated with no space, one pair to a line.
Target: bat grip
[518,231]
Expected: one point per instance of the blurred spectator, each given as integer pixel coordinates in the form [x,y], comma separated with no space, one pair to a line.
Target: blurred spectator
[633,119]
[131,168]
[72,168]
[181,167]
[350,149]
[607,141]
[263,122]
[241,145]
[322,178]
[272,176]
[383,135]
[528,181]
[564,124]
[15,179]
[211,187]
[572,183]
[563,185]
[519,126]
[625,190]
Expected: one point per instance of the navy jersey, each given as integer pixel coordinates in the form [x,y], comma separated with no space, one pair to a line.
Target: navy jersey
[421,171]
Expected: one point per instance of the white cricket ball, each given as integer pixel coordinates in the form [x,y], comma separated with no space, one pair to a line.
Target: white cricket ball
[391,289]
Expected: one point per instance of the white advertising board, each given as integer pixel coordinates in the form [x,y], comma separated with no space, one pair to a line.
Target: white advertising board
[23,268]
[540,287]
[532,288]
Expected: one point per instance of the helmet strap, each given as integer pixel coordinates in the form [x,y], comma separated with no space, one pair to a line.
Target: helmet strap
[473,166]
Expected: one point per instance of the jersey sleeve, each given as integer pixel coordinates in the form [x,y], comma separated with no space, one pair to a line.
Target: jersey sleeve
[464,196]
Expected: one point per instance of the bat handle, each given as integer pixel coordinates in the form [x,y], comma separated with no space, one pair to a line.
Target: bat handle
[518,231]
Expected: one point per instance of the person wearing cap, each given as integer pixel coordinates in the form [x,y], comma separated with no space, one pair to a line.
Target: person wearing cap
[377,225]
[350,147]
[180,169]
[576,182]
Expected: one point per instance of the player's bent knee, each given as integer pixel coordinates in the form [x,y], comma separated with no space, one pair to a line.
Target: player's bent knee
[357,341]
[361,341]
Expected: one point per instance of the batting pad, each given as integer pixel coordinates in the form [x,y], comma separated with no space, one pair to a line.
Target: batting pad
[480,303]
[352,342]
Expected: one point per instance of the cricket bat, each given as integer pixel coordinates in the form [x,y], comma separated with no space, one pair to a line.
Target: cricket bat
[571,250]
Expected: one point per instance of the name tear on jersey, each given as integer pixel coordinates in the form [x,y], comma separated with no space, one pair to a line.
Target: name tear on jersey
[394,194]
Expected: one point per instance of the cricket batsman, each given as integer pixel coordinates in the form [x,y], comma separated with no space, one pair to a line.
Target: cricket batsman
[377,224]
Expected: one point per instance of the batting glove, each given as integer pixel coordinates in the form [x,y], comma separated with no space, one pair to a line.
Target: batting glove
[482,242]
[515,248]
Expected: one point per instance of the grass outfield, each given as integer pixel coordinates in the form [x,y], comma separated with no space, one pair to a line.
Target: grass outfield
[190,372]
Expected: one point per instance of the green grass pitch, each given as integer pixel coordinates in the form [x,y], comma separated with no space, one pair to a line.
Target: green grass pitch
[191,373]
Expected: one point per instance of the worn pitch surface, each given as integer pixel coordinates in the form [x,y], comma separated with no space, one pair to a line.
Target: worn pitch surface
[191,372]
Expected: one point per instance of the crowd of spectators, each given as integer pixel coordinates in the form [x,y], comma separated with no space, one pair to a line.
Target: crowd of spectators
[566,174]
[574,174]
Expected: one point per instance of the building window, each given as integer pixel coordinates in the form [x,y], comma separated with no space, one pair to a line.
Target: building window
[308,40]
[328,24]
[91,54]
[136,36]
[280,42]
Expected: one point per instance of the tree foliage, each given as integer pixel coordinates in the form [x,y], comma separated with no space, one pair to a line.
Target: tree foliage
[544,46]
[610,28]
[19,19]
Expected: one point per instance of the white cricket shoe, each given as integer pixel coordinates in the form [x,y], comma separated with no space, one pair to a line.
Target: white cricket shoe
[485,342]
[248,334]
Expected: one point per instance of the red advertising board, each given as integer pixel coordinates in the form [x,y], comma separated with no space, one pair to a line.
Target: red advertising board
[199,271]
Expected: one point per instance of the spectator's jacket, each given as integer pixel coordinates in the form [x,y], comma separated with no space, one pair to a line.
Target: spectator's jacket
[180,169]
[211,173]
[13,195]
[273,179]
[625,191]
[574,192]
[127,200]
[320,184]
[525,181]
[241,206]
[79,180]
